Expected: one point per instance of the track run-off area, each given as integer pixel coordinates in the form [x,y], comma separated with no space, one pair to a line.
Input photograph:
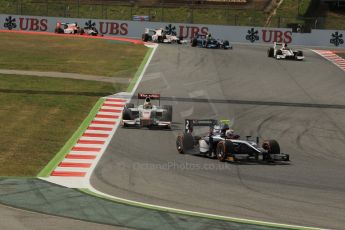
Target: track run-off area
[300,104]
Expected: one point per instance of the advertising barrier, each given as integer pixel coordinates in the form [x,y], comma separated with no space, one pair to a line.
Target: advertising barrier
[134,29]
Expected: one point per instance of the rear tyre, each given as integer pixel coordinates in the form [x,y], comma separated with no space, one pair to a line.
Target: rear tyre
[223,150]
[160,39]
[59,30]
[167,116]
[270,52]
[184,142]
[194,42]
[226,45]
[145,37]
[299,54]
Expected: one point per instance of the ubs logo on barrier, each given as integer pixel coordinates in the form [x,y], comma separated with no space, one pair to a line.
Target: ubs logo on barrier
[336,39]
[10,23]
[90,24]
[185,31]
[252,35]
[113,28]
[269,36]
[32,24]
[170,30]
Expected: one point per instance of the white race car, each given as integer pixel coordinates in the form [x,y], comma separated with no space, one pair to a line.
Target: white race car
[281,51]
[160,36]
[67,28]
[223,143]
[147,115]
[74,28]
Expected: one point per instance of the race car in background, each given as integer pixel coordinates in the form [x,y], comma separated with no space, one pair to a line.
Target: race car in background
[207,41]
[74,28]
[67,28]
[221,142]
[281,51]
[160,36]
[147,114]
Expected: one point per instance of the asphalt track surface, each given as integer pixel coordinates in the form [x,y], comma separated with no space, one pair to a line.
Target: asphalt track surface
[262,96]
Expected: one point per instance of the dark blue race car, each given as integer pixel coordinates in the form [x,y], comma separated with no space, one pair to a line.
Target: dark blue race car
[210,42]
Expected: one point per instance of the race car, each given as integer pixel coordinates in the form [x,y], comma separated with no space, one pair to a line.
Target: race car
[281,51]
[74,28]
[92,31]
[147,115]
[207,41]
[67,28]
[221,142]
[160,36]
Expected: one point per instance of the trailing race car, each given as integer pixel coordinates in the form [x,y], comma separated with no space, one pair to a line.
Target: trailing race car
[92,31]
[160,36]
[207,41]
[223,143]
[281,51]
[74,28]
[147,115]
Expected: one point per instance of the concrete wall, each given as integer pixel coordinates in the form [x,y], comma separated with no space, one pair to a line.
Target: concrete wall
[134,29]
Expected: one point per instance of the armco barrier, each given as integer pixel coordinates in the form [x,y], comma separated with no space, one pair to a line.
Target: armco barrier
[134,29]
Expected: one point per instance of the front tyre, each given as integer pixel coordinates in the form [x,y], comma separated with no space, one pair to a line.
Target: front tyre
[184,142]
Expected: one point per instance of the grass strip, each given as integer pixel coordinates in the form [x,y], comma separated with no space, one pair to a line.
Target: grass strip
[140,70]
[46,171]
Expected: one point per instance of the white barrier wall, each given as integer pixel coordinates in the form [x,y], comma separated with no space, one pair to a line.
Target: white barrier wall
[134,29]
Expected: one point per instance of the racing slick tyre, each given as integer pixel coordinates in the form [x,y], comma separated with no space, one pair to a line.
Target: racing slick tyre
[184,142]
[145,37]
[271,146]
[127,114]
[160,39]
[129,105]
[194,42]
[59,30]
[223,149]
[299,54]
[180,39]
[167,116]
[270,52]
[226,44]
[82,31]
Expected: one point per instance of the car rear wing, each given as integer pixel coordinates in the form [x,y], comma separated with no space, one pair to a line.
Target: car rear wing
[150,96]
[190,123]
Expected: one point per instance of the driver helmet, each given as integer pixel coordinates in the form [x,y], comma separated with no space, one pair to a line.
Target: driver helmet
[223,129]
[230,133]
[147,104]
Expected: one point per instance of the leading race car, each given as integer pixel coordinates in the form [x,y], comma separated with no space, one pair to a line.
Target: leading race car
[281,51]
[160,36]
[67,28]
[147,115]
[223,143]
[207,41]
[74,28]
